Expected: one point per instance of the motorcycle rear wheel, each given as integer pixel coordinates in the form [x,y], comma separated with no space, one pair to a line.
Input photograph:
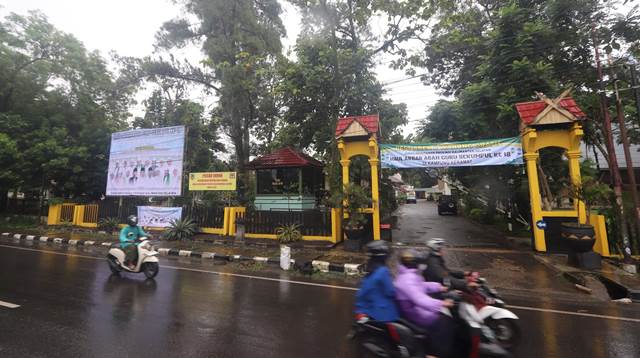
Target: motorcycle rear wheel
[506,330]
[151,269]
[374,348]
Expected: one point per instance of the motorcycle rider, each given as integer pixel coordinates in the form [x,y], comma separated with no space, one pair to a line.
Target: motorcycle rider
[128,236]
[376,297]
[437,270]
[412,295]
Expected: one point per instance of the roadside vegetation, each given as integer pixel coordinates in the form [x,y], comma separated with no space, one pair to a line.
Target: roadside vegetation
[60,102]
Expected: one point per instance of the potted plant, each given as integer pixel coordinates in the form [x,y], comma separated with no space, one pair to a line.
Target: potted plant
[287,234]
[579,236]
[353,200]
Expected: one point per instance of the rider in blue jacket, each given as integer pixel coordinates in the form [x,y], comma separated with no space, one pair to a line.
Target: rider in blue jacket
[376,296]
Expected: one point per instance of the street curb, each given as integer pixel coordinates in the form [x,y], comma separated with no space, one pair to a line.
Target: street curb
[321,266]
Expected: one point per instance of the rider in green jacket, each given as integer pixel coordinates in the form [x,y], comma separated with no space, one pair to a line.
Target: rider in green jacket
[128,236]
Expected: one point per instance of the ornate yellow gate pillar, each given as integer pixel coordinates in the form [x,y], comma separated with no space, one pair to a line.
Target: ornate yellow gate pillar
[551,123]
[536,201]
[359,136]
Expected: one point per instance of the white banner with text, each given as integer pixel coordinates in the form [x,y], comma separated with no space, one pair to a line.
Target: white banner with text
[507,151]
[157,216]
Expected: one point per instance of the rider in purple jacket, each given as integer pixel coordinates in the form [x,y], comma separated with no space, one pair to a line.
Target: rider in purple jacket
[412,295]
[412,292]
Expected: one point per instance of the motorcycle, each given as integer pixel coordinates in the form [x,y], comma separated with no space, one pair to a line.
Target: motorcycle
[402,339]
[486,307]
[147,259]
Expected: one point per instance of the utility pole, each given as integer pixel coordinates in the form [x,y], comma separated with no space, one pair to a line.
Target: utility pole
[613,161]
[631,175]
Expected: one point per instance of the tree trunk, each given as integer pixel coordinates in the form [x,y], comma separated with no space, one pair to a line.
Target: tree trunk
[3,200]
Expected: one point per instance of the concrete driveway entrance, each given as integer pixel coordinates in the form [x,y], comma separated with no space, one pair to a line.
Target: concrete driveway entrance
[420,222]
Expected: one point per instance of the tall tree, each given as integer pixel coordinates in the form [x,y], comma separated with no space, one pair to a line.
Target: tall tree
[332,75]
[240,38]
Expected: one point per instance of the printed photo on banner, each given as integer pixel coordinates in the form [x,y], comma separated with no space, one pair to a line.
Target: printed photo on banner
[146,162]
[157,216]
[506,151]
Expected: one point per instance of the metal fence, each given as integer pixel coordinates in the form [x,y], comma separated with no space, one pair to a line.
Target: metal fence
[312,222]
[212,217]
[110,208]
[205,216]
[66,214]
[90,213]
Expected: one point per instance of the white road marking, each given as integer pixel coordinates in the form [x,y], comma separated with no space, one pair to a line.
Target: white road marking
[581,314]
[8,305]
[346,288]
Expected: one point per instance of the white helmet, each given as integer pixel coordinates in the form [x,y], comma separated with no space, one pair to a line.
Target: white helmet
[435,244]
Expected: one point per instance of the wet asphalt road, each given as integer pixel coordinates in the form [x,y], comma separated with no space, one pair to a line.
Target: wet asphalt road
[420,222]
[71,306]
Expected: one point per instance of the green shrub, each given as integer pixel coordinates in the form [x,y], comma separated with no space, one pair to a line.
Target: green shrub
[288,233]
[181,229]
[66,224]
[109,225]
[476,214]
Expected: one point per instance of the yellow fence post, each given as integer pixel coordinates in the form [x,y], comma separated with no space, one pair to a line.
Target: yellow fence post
[336,225]
[54,214]
[78,215]
[602,241]
[232,221]
[225,222]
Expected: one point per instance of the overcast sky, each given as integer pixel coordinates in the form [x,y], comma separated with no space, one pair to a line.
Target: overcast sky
[128,28]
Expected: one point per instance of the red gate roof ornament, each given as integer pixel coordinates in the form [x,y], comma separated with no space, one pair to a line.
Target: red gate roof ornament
[546,111]
[358,126]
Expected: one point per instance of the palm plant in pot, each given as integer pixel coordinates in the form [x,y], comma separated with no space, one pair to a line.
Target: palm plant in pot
[353,200]
[286,235]
[591,191]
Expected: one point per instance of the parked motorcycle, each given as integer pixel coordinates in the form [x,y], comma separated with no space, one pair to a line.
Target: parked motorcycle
[147,260]
[402,339]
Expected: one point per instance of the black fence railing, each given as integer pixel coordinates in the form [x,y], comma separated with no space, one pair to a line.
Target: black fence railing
[212,217]
[204,216]
[110,208]
[312,222]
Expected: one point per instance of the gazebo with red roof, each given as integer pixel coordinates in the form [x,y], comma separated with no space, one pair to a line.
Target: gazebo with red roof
[287,179]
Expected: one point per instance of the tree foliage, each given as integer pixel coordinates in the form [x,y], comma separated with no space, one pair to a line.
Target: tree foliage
[58,106]
[490,55]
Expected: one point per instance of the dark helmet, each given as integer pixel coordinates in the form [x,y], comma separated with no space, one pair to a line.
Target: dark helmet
[378,248]
[411,258]
[132,220]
